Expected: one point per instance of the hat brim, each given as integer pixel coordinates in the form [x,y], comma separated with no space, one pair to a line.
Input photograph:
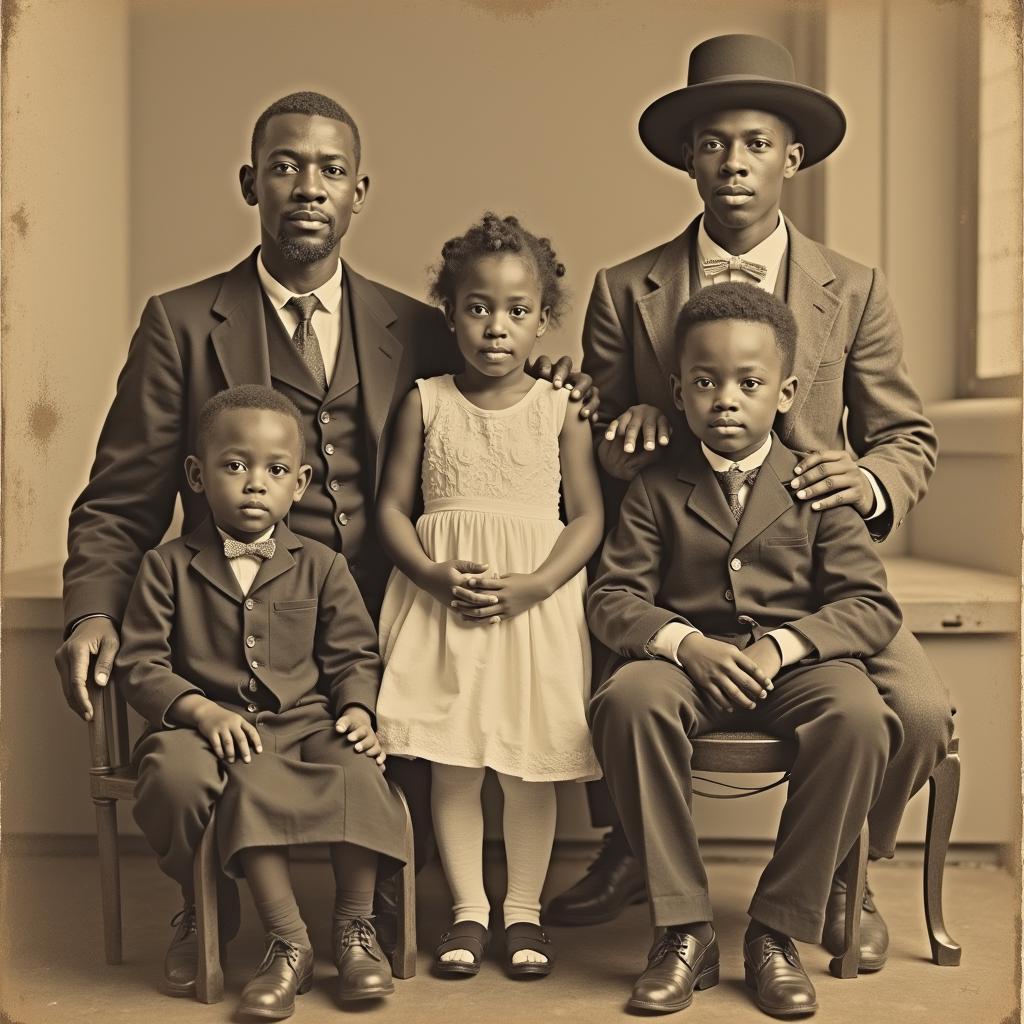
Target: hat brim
[817,120]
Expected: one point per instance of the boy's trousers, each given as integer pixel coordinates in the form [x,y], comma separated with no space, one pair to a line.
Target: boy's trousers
[643,717]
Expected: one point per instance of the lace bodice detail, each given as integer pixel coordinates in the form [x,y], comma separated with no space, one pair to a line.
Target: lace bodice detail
[506,458]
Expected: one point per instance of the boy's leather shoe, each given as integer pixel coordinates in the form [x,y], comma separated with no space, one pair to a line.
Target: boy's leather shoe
[286,971]
[613,881]
[677,965]
[771,966]
[363,970]
[181,964]
[874,936]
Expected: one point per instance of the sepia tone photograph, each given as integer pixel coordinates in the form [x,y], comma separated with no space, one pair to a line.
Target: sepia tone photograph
[511,510]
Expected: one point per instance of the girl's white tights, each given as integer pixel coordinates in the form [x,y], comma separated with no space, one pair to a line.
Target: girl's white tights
[529,827]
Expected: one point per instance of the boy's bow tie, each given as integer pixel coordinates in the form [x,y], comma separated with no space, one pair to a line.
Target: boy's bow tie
[260,548]
[714,267]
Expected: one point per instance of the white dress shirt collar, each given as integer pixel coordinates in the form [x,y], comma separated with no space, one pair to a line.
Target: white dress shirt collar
[329,293]
[720,464]
[768,253]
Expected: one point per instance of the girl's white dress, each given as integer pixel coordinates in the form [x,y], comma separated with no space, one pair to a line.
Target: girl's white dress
[509,696]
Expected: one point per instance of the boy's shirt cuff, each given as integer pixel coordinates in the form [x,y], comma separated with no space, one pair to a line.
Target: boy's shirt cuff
[876,488]
[665,643]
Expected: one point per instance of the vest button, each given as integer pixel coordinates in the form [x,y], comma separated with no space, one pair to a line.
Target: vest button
[250,603]
[254,663]
[735,565]
[252,685]
[325,417]
[328,449]
[251,708]
[250,641]
[729,595]
[335,485]
[343,519]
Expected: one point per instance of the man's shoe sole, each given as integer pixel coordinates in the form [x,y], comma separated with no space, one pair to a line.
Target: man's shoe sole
[366,993]
[708,979]
[573,920]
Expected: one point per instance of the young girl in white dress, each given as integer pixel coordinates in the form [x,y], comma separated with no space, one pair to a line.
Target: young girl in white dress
[482,631]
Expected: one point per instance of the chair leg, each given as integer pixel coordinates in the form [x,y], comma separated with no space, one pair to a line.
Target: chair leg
[943,789]
[404,962]
[855,870]
[210,976]
[110,877]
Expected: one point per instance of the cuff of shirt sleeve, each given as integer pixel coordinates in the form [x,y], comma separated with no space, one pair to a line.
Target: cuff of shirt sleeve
[792,646]
[881,505]
[665,643]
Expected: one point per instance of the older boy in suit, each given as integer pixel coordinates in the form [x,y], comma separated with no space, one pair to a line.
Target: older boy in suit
[729,603]
[292,315]
[740,129]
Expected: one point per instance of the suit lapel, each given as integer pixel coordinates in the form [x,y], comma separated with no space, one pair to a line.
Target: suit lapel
[209,560]
[380,356]
[240,340]
[815,308]
[706,500]
[659,310]
[768,499]
[285,543]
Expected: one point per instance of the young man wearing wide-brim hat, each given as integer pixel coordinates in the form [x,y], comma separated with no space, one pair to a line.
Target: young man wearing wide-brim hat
[740,128]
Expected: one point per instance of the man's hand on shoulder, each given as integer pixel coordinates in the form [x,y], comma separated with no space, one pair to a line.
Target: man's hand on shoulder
[831,478]
[96,637]
[561,374]
[634,440]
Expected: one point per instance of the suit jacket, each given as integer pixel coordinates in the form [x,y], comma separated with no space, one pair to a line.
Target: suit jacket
[302,634]
[191,343]
[849,356]
[678,555]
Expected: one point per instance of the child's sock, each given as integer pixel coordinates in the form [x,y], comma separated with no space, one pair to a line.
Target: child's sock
[355,874]
[459,826]
[529,826]
[266,870]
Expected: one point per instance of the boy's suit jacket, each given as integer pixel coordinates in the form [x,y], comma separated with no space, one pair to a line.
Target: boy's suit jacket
[849,354]
[190,344]
[189,629]
[678,555]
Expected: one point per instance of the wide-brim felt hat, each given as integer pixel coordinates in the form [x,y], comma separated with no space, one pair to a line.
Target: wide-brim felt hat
[742,72]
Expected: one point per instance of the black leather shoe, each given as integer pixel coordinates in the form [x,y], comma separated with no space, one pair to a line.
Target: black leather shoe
[181,964]
[613,881]
[385,915]
[771,966]
[363,970]
[874,936]
[286,971]
[677,965]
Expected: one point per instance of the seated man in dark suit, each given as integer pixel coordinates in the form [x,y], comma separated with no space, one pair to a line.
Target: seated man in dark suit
[729,603]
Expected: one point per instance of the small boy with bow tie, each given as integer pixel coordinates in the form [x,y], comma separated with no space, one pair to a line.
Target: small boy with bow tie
[251,654]
[730,603]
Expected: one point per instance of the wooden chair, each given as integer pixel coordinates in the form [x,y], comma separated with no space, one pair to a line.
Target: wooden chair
[111,778]
[761,752]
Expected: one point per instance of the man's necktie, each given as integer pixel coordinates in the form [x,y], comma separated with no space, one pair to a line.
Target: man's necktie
[714,267]
[305,339]
[260,548]
[732,481]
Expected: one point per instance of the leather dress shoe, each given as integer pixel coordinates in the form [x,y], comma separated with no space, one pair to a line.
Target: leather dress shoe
[286,971]
[613,881]
[677,965]
[874,936]
[771,966]
[181,964]
[363,970]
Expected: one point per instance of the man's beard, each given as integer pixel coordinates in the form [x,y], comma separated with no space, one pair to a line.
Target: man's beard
[305,252]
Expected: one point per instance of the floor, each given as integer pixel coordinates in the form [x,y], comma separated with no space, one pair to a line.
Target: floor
[53,969]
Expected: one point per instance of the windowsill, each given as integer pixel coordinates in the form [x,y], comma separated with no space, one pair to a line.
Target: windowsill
[936,598]
[977,426]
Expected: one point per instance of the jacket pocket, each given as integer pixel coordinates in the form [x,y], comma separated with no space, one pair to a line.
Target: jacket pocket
[831,370]
[295,606]
[787,542]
